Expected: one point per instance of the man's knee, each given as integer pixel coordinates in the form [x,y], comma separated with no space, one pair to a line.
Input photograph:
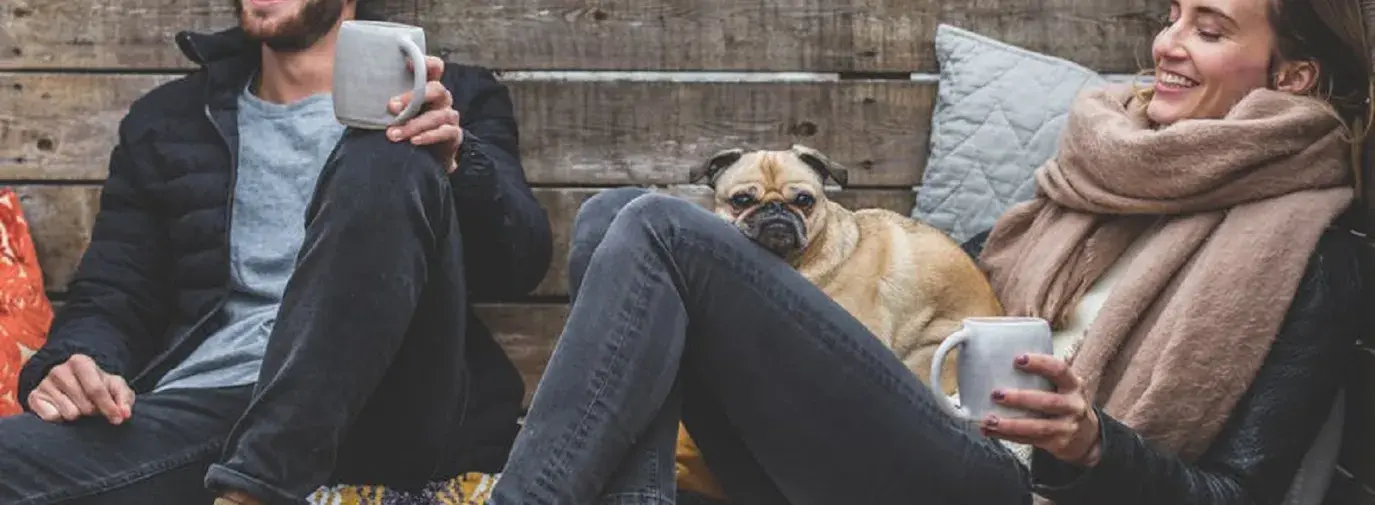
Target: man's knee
[371,171]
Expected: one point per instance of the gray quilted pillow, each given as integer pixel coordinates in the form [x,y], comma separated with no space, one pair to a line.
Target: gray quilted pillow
[998,115]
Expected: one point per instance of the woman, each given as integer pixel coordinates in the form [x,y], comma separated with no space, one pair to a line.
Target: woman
[1206,205]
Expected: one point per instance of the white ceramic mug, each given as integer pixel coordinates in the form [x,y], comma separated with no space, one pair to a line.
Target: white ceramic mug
[370,69]
[988,348]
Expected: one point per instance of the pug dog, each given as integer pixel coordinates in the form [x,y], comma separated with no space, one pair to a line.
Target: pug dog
[907,282]
[910,284]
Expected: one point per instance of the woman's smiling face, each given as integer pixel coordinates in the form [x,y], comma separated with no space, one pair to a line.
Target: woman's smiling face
[1210,56]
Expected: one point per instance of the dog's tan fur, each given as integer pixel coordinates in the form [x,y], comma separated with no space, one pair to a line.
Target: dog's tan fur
[907,282]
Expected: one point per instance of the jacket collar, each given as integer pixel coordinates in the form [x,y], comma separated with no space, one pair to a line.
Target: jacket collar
[205,48]
[229,58]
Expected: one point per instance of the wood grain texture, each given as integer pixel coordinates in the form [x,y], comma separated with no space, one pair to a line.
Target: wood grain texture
[809,35]
[527,332]
[61,217]
[61,126]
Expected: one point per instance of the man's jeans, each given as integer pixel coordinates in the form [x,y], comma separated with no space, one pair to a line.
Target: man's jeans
[791,400]
[364,379]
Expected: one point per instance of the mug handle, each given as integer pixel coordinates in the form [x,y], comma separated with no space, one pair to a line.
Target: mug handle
[960,337]
[417,58]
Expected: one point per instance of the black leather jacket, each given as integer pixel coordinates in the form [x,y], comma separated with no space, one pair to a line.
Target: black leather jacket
[1255,457]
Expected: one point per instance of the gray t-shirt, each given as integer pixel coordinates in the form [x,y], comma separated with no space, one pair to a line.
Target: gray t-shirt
[282,149]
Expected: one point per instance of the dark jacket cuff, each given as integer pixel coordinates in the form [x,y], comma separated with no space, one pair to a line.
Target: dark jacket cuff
[1067,483]
[55,353]
[476,174]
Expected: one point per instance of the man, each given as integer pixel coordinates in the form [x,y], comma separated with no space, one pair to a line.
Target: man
[271,303]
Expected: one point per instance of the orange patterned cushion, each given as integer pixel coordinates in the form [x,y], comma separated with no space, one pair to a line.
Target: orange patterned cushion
[25,312]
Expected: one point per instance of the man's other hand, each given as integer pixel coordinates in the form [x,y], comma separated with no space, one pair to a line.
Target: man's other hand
[77,388]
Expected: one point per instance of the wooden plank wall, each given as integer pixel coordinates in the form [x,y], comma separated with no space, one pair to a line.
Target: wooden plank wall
[68,72]
[779,35]
[851,77]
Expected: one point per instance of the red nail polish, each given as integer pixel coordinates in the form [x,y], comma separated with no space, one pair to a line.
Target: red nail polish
[1023,360]
[991,421]
[997,396]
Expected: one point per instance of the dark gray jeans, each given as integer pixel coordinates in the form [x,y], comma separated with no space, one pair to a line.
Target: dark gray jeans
[364,378]
[791,400]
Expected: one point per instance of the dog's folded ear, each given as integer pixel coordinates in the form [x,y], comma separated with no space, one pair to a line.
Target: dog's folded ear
[825,167]
[712,167]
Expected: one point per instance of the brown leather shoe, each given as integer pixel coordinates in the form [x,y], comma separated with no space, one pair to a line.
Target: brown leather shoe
[236,498]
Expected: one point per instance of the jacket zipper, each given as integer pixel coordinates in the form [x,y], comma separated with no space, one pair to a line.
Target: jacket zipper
[228,221]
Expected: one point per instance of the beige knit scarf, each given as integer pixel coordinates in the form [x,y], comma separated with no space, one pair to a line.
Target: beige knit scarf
[1242,201]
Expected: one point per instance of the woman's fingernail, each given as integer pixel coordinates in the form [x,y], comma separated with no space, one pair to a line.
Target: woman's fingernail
[1023,360]
[394,134]
[997,395]
[991,421]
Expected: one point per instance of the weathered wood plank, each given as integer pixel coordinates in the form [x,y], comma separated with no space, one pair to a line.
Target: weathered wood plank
[62,126]
[809,35]
[527,332]
[61,217]
[654,132]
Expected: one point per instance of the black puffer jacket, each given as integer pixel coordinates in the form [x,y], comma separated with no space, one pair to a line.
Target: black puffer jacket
[158,256]
[1254,459]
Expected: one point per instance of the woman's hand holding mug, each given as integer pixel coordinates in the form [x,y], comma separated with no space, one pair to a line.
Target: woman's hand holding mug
[1069,428]
[1012,385]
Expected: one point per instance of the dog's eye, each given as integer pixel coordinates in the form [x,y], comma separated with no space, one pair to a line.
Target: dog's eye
[804,200]
[742,200]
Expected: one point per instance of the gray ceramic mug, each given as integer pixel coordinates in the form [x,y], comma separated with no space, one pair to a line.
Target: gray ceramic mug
[370,69]
[988,348]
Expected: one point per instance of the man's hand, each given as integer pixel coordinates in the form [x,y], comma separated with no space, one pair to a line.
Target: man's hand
[78,387]
[437,126]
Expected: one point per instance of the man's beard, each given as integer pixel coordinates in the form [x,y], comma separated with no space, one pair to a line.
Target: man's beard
[297,32]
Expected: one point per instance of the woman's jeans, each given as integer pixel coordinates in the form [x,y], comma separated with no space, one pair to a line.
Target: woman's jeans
[791,400]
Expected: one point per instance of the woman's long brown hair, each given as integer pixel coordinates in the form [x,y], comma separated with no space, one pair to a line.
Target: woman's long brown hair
[1335,35]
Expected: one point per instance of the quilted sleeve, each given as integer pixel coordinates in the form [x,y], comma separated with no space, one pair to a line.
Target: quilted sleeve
[117,305]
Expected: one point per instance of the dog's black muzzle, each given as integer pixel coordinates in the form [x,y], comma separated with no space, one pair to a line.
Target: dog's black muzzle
[778,229]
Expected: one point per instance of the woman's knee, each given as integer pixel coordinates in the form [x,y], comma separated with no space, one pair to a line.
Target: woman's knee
[589,228]
[665,215]
[595,215]
[637,215]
